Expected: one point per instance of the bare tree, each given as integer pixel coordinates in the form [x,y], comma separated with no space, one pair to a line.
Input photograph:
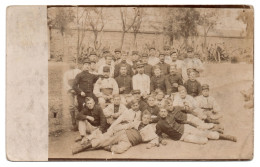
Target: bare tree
[137,25]
[96,23]
[127,23]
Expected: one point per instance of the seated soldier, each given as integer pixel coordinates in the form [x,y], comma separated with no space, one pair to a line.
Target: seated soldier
[184,118]
[121,140]
[193,86]
[173,80]
[208,103]
[131,115]
[185,132]
[148,69]
[114,110]
[91,119]
[137,95]
[182,99]
[105,88]
[165,68]
[159,96]
[158,81]
[153,109]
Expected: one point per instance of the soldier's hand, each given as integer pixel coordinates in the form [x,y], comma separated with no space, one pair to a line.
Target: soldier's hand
[122,89]
[90,118]
[164,142]
[175,84]
[82,94]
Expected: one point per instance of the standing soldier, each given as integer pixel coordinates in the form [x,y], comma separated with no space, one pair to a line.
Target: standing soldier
[192,63]
[165,68]
[117,57]
[105,88]
[84,84]
[123,63]
[135,58]
[167,51]
[108,63]
[68,79]
[175,60]
[141,81]
[153,59]
[148,69]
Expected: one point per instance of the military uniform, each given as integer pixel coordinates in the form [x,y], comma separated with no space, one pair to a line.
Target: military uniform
[105,87]
[126,82]
[208,104]
[193,87]
[148,69]
[118,66]
[170,80]
[158,82]
[84,82]
[141,82]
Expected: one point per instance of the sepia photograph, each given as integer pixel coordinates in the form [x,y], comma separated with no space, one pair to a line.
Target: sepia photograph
[150,82]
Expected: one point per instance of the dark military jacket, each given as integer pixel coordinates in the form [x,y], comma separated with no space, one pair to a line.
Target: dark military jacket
[158,83]
[84,82]
[170,80]
[193,87]
[97,114]
[124,81]
[128,68]
[165,68]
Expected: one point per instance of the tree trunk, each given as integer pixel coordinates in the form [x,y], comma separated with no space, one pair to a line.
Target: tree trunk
[78,38]
[95,40]
[122,39]
[135,44]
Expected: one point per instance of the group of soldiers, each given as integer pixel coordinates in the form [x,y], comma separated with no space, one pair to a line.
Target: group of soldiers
[124,99]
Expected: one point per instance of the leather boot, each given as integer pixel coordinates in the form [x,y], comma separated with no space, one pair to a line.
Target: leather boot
[80,147]
[227,137]
[209,120]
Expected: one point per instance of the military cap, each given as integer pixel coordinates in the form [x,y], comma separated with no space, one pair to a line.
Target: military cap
[173,51]
[109,55]
[135,52]
[106,69]
[144,55]
[139,65]
[166,47]
[136,91]
[161,53]
[189,49]
[92,53]
[205,86]
[106,50]
[152,47]
[86,61]
[117,50]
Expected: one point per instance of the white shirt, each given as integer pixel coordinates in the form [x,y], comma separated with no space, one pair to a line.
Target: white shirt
[153,60]
[141,82]
[189,100]
[69,75]
[207,102]
[103,83]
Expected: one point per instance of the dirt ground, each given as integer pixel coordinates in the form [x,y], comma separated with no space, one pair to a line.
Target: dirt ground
[226,82]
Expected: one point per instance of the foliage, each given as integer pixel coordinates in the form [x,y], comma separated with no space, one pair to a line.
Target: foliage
[246,16]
